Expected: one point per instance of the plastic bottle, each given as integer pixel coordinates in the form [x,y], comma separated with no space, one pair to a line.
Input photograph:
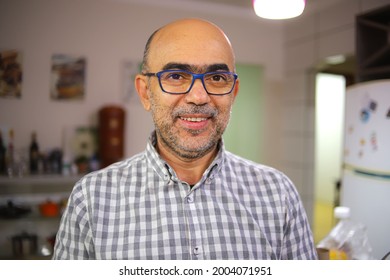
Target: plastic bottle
[347,240]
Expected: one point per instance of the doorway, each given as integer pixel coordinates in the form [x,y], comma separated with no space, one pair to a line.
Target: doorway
[329,126]
[333,76]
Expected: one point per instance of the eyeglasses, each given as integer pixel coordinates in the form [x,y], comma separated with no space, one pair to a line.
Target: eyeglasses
[181,82]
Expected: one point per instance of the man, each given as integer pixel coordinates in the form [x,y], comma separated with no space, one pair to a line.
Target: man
[185,196]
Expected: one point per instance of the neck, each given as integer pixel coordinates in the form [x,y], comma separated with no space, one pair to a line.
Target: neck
[187,170]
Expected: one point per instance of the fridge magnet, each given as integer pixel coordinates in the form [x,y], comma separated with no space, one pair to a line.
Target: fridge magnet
[68,77]
[373,105]
[10,74]
[373,141]
[364,115]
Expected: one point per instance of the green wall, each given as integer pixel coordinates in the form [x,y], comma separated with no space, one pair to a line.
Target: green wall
[244,133]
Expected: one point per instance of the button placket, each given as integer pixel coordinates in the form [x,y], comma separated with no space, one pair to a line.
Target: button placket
[194,225]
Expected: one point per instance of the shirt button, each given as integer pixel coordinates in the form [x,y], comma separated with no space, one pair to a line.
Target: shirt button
[208,180]
[190,199]
[196,251]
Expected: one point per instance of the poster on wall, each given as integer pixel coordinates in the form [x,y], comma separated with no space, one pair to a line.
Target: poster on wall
[10,74]
[129,70]
[67,77]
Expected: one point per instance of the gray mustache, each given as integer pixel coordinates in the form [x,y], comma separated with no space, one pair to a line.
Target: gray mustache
[194,109]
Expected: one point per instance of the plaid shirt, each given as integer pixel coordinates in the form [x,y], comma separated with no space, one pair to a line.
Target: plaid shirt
[139,209]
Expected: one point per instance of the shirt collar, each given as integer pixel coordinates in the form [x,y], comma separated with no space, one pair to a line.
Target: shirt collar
[165,172]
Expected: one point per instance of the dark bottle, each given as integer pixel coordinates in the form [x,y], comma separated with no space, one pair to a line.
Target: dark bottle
[3,164]
[34,154]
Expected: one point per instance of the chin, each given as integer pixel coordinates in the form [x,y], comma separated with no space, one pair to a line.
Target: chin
[195,148]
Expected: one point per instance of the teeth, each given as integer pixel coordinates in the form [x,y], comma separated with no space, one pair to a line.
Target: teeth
[194,119]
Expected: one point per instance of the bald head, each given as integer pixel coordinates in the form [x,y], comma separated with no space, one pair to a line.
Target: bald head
[190,41]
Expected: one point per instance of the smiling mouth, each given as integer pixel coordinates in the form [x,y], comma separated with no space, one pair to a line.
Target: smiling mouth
[194,119]
[194,124]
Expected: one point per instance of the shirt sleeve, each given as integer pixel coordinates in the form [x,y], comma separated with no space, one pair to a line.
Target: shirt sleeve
[298,241]
[74,238]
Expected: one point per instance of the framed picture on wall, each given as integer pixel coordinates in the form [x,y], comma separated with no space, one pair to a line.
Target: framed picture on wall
[80,146]
[129,70]
[10,74]
[68,77]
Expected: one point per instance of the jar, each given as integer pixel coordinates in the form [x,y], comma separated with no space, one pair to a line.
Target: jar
[111,134]
[24,244]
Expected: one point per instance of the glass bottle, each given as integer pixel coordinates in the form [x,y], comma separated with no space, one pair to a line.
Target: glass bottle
[34,154]
[3,165]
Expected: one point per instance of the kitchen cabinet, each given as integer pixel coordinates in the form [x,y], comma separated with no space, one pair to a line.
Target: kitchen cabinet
[30,192]
[373,44]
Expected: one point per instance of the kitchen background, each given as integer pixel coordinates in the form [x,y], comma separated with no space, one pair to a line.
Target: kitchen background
[278,60]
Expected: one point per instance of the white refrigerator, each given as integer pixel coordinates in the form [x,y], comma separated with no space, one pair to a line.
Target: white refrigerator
[366,165]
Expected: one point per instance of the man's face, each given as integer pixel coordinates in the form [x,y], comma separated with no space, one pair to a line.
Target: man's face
[190,125]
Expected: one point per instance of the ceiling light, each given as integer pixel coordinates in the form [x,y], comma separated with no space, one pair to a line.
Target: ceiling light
[335,59]
[278,9]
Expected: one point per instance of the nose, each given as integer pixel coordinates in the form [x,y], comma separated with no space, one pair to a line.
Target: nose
[198,94]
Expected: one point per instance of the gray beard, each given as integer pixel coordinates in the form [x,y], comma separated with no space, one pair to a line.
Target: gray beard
[183,152]
[170,139]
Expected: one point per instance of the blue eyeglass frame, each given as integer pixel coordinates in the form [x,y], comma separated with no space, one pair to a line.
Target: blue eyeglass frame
[194,77]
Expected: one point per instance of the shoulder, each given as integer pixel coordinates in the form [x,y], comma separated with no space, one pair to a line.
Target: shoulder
[240,164]
[260,178]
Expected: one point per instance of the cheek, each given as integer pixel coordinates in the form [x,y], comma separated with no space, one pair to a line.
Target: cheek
[161,108]
[225,108]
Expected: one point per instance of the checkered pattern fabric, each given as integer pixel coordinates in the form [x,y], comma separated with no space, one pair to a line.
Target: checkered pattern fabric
[139,209]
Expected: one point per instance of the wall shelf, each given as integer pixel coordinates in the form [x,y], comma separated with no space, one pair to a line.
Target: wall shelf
[38,180]
[37,184]
[31,191]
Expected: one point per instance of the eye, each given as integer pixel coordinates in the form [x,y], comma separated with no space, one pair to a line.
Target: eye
[176,76]
[218,77]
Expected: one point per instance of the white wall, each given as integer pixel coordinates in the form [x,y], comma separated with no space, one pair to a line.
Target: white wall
[107,32]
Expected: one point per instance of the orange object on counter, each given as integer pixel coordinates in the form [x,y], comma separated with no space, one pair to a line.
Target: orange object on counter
[49,209]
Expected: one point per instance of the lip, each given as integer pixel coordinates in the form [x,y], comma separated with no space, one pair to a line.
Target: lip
[194,122]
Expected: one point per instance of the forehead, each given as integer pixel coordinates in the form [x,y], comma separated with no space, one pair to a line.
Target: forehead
[197,44]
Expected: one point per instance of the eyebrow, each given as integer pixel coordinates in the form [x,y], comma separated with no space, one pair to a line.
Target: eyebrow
[196,69]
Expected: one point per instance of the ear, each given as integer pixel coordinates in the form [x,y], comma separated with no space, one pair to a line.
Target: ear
[141,85]
[236,89]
